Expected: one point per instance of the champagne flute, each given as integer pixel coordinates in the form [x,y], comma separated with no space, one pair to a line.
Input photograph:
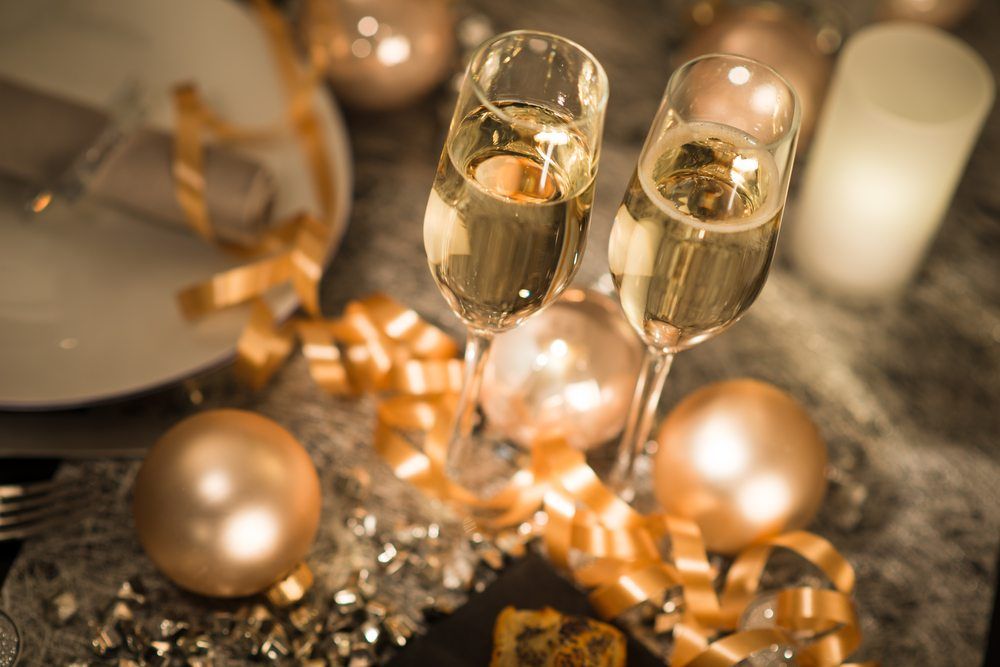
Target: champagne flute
[506,222]
[693,239]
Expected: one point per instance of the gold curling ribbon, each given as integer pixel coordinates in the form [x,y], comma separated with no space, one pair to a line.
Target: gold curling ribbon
[188,168]
[606,545]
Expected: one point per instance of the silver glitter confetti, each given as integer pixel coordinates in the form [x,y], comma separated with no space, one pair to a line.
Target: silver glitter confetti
[371,632]
[302,617]
[396,564]
[346,597]
[366,583]
[258,614]
[106,641]
[160,647]
[120,611]
[492,556]
[457,574]
[303,647]
[276,646]
[62,608]
[342,643]
[399,629]
[388,553]
[132,590]
[510,543]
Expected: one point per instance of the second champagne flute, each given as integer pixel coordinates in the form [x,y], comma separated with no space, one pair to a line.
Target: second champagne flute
[693,240]
[506,222]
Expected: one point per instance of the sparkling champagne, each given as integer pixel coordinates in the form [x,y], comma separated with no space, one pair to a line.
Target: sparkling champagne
[506,222]
[693,240]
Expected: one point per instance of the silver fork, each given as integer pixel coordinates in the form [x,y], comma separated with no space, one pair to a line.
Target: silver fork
[29,509]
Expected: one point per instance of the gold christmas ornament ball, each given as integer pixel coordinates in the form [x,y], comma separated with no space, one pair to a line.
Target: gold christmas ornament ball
[568,372]
[743,460]
[226,503]
[379,54]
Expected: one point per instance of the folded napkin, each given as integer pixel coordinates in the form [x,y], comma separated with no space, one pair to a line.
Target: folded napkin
[41,134]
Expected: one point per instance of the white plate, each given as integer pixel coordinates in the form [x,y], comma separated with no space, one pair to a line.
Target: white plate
[87,295]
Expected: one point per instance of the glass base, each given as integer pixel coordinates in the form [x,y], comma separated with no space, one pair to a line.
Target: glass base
[639,494]
[639,491]
[486,464]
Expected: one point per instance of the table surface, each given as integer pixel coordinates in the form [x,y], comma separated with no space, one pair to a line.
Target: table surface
[905,394]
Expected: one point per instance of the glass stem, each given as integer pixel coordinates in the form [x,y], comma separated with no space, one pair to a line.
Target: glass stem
[648,388]
[477,349]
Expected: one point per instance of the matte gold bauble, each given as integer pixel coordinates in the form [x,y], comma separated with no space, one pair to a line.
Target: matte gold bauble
[567,372]
[379,54]
[742,459]
[226,503]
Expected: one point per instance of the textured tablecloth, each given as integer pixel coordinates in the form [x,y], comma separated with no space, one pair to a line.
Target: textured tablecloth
[905,394]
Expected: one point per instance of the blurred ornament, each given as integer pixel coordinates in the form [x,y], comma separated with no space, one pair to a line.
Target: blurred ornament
[743,460]
[799,49]
[471,30]
[703,12]
[942,13]
[226,503]
[379,54]
[569,372]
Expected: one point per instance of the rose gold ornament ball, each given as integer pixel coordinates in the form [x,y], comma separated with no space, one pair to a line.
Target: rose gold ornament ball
[226,503]
[379,54]
[568,372]
[743,460]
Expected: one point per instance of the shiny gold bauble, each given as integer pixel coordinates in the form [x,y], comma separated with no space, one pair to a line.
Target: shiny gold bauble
[567,372]
[742,459]
[379,54]
[777,37]
[226,503]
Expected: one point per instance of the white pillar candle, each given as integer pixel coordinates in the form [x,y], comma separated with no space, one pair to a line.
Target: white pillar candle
[903,112]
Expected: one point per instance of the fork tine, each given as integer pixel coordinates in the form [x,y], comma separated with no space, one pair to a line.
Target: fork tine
[20,503]
[24,531]
[40,508]
[29,489]
[43,512]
